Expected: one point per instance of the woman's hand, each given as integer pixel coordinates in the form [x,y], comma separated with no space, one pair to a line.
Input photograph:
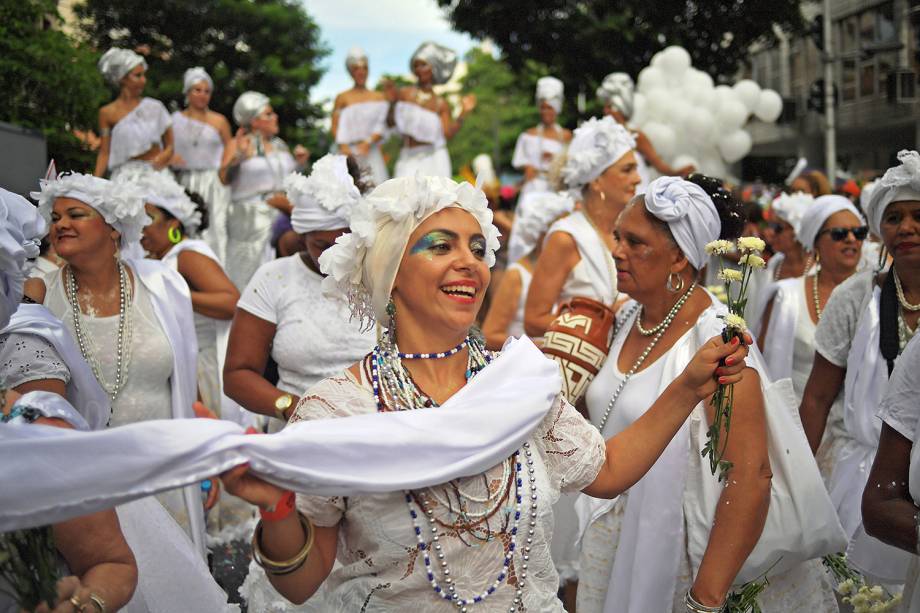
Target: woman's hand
[177,161]
[716,363]
[243,484]
[467,104]
[70,591]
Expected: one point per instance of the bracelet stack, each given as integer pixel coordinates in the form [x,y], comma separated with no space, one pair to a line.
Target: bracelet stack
[695,607]
[285,567]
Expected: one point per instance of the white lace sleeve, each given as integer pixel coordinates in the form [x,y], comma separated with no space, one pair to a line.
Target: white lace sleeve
[573,449]
[837,325]
[26,357]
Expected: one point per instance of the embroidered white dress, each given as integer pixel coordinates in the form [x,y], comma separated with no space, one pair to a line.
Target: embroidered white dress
[249,225]
[200,145]
[359,122]
[134,135]
[430,159]
[381,568]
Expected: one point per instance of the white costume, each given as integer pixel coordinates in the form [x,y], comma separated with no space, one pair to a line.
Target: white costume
[359,122]
[516,327]
[535,150]
[430,159]
[595,275]
[134,135]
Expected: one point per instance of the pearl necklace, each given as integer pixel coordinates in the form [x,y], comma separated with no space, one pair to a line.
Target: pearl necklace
[907,306]
[814,295]
[120,348]
[664,325]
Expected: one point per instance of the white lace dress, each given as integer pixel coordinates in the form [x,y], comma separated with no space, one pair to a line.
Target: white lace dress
[381,569]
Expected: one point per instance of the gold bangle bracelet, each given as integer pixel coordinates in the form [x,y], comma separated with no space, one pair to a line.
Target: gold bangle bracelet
[273,567]
[98,602]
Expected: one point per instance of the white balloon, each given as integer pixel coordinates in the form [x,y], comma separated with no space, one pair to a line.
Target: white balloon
[650,77]
[662,136]
[657,59]
[732,115]
[699,123]
[640,110]
[675,60]
[685,160]
[659,104]
[697,79]
[706,98]
[724,94]
[713,167]
[769,107]
[735,146]
[748,92]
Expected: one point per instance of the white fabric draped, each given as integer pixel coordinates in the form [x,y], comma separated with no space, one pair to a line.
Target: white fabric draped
[138,131]
[419,123]
[359,121]
[594,253]
[197,142]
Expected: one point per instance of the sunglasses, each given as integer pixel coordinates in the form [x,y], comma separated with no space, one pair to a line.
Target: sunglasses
[840,234]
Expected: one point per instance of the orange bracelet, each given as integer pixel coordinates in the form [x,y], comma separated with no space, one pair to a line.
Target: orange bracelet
[282,508]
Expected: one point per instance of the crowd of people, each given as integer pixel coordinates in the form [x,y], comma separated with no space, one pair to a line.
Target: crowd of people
[462,407]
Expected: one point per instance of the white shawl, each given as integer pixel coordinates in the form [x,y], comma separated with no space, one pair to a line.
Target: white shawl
[593,252]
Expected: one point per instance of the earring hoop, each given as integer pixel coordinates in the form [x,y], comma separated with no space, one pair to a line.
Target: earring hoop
[174,235]
[673,286]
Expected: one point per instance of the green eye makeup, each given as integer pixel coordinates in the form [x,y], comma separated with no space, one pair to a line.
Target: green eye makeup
[430,241]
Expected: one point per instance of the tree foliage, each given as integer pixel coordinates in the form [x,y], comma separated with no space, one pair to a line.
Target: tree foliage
[49,82]
[272,46]
[581,41]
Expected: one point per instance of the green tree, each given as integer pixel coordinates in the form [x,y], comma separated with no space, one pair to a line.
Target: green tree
[272,46]
[49,82]
[582,41]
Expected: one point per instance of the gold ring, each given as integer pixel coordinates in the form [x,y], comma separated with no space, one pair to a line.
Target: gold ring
[76,603]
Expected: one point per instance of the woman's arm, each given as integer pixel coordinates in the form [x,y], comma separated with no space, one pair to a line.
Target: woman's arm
[888,511]
[501,312]
[247,353]
[226,137]
[163,157]
[823,385]
[452,126]
[558,258]
[213,294]
[105,142]
[647,149]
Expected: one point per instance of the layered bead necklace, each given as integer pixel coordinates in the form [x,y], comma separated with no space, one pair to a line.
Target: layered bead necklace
[814,295]
[905,333]
[394,389]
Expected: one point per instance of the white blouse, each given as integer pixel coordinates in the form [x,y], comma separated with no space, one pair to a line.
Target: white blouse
[359,121]
[263,174]
[138,131]
[535,150]
[420,123]
[196,142]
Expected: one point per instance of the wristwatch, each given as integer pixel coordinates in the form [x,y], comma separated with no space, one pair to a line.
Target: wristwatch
[282,404]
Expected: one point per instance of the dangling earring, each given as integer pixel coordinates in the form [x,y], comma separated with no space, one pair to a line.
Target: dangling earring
[175,235]
[391,326]
[673,286]
[882,258]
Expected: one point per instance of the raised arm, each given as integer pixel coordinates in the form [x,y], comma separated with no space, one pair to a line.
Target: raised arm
[105,143]
[558,258]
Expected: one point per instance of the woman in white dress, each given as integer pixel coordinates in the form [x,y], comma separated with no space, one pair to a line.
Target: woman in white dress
[424,118]
[417,262]
[645,550]
[135,130]
[132,319]
[204,147]
[359,119]
[283,312]
[258,169]
[865,325]
[171,238]
[833,230]
[537,147]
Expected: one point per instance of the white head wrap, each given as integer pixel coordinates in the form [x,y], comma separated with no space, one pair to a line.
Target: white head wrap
[322,201]
[689,212]
[818,213]
[116,63]
[161,190]
[195,75]
[248,106]
[596,146]
[442,60]
[355,55]
[362,265]
[618,90]
[533,218]
[21,231]
[120,204]
[791,207]
[898,184]
[551,91]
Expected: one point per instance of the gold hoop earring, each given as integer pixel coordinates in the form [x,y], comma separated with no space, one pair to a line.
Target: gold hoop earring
[672,286]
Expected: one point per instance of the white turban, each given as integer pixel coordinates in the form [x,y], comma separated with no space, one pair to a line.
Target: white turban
[120,204]
[689,212]
[248,106]
[21,231]
[818,213]
[116,63]
[355,55]
[791,207]
[618,90]
[322,201]
[596,146]
[442,60]
[161,190]
[551,91]
[899,183]
[532,219]
[362,265]
[195,75]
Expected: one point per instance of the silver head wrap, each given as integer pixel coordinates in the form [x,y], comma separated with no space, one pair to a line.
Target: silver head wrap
[362,265]
[322,201]
[791,207]
[618,90]
[898,184]
[116,63]
[356,55]
[161,190]
[533,218]
[195,75]
[120,204]
[551,91]
[442,60]
[690,214]
[596,146]
[248,106]
[21,231]
[819,212]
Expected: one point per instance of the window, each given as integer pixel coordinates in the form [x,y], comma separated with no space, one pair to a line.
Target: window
[848,36]
[886,32]
[887,62]
[867,29]
[867,79]
[848,80]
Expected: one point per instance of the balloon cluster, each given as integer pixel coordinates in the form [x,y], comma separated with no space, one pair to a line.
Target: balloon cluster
[690,120]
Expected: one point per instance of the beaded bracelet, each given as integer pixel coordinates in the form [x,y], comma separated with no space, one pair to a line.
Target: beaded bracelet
[286,567]
[695,607]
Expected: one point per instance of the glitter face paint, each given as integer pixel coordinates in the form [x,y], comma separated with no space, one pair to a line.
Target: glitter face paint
[431,241]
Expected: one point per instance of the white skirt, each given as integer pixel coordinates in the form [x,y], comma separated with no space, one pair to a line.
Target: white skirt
[373,164]
[206,183]
[423,161]
[249,230]
[134,170]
